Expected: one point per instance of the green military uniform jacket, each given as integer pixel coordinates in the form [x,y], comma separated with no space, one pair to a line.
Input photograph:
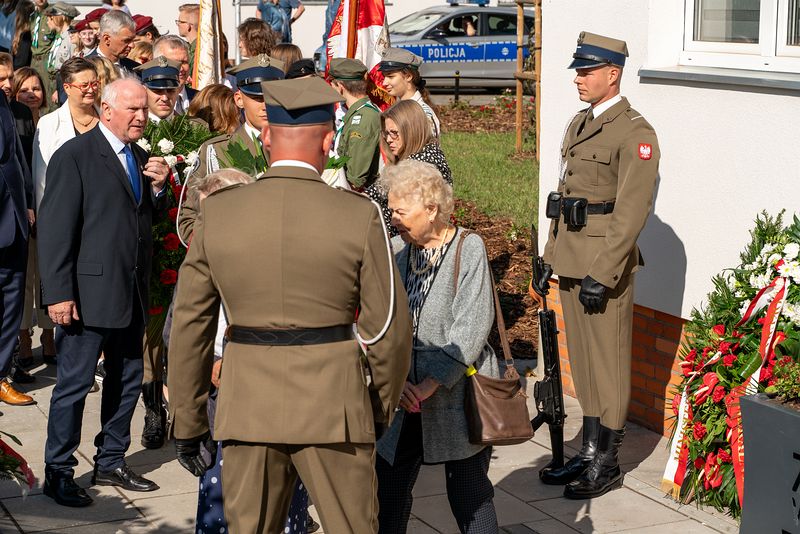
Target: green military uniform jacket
[615,157]
[41,42]
[269,254]
[211,159]
[359,140]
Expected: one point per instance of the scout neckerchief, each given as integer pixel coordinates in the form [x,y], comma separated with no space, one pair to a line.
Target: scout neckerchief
[336,139]
[51,57]
[37,15]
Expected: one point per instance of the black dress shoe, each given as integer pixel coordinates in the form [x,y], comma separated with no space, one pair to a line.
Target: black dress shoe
[124,478]
[20,375]
[63,489]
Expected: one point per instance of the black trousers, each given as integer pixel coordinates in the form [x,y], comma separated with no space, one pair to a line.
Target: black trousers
[469,490]
[13,264]
[79,348]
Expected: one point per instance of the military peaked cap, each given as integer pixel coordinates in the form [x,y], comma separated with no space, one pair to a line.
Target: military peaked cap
[160,73]
[299,102]
[596,51]
[399,59]
[251,73]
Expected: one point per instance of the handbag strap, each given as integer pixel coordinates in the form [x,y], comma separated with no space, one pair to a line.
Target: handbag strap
[501,324]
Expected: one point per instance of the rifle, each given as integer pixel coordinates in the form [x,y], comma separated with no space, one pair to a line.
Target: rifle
[547,392]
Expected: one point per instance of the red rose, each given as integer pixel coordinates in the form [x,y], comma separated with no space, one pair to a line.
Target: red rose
[676,403]
[156,310]
[725,347]
[173,214]
[699,431]
[710,380]
[719,330]
[761,320]
[728,360]
[171,241]
[691,356]
[780,337]
[766,374]
[699,462]
[724,456]
[718,395]
[168,277]
[176,190]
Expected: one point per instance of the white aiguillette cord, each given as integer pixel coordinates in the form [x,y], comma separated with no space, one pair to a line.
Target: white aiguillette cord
[367,342]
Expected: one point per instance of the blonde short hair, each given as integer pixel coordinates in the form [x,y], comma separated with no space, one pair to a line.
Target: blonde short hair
[216,181]
[416,179]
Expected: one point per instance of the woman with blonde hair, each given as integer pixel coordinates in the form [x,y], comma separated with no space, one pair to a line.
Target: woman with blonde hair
[288,53]
[106,73]
[402,80]
[406,134]
[215,105]
[142,52]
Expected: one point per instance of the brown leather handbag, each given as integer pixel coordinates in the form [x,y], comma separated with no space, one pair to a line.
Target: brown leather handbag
[496,408]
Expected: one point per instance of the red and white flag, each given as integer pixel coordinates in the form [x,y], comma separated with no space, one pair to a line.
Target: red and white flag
[360,31]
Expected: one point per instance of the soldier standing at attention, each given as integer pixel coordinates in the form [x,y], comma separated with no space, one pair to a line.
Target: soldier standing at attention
[359,136]
[249,98]
[293,395]
[609,167]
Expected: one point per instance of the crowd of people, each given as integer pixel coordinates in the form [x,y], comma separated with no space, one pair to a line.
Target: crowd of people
[309,322]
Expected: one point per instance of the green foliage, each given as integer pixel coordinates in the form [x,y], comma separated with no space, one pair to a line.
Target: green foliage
[787,380]
[239,156]
[486,172]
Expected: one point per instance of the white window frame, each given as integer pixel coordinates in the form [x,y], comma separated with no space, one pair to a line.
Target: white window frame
[769,54]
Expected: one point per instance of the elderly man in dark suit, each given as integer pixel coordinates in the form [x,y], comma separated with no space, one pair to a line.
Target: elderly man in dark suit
[16,196]
[95,247]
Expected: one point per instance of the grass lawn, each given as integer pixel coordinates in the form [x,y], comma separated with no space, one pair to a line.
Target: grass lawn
[486,173]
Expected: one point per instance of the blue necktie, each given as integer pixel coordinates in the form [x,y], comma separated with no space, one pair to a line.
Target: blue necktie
[133,173]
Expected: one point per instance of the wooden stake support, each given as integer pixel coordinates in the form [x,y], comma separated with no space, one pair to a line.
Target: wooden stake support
[523,75]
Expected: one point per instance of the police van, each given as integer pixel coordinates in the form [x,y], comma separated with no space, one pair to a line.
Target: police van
[473,38]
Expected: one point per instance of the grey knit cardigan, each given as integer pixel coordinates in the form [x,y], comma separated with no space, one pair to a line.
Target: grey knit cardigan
[452,334]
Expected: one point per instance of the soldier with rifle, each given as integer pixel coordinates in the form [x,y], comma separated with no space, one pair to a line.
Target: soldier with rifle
[609,161]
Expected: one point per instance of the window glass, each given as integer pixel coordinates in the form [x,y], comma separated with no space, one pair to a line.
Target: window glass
[793,25]
[727,21]
[461,26]
[414,23]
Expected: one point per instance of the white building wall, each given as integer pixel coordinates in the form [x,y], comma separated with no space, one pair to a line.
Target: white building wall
[728,152]
[307,31]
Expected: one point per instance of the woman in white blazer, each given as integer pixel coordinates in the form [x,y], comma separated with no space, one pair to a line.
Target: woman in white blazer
[78,115]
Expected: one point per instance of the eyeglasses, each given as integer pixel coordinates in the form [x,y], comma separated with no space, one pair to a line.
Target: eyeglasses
[391,134]
[84,87]
[179,21]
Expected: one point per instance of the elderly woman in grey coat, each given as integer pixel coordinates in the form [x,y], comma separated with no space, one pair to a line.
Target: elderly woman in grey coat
[451,320]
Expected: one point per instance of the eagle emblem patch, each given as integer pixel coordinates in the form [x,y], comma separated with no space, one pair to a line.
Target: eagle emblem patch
[645,151]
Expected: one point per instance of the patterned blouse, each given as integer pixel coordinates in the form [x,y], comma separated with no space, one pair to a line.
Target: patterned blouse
[418,285]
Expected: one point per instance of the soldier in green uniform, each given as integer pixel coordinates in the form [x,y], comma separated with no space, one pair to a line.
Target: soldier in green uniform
[213,153]
[609,159]
[41,42]
[359,137]
[294,390]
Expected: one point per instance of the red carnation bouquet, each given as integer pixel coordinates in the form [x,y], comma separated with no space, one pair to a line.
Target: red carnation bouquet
[177,140]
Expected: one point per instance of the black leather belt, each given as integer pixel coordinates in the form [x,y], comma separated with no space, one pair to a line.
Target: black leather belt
[600,208]
[290,337]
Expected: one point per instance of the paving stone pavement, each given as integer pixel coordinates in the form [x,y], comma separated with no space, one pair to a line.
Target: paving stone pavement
[524,505]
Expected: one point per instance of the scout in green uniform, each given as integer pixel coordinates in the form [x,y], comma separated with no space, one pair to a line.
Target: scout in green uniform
[609,161]
[41,41]
[249,98]
[293,395]
[359,137]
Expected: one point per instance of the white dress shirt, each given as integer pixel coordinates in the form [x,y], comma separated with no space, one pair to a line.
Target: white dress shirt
[293,163]
[117,146]
[600,108]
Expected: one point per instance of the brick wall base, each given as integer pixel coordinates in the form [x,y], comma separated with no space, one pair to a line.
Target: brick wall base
[657,338]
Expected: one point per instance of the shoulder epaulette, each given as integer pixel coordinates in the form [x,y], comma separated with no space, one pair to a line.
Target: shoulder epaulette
[218,139]
[226,188]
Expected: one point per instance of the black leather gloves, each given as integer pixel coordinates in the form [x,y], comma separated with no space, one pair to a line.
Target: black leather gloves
[541,277]
[196,455]
[592,294]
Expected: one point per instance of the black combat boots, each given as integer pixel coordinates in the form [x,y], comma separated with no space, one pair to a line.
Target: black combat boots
[603,473]
[578,463]
[155,417]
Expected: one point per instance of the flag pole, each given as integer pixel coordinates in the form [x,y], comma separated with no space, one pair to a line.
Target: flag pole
[352,33]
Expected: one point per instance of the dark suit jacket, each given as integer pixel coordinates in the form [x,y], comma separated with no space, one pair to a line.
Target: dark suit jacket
[15,194]
[191,93]
[95,242]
